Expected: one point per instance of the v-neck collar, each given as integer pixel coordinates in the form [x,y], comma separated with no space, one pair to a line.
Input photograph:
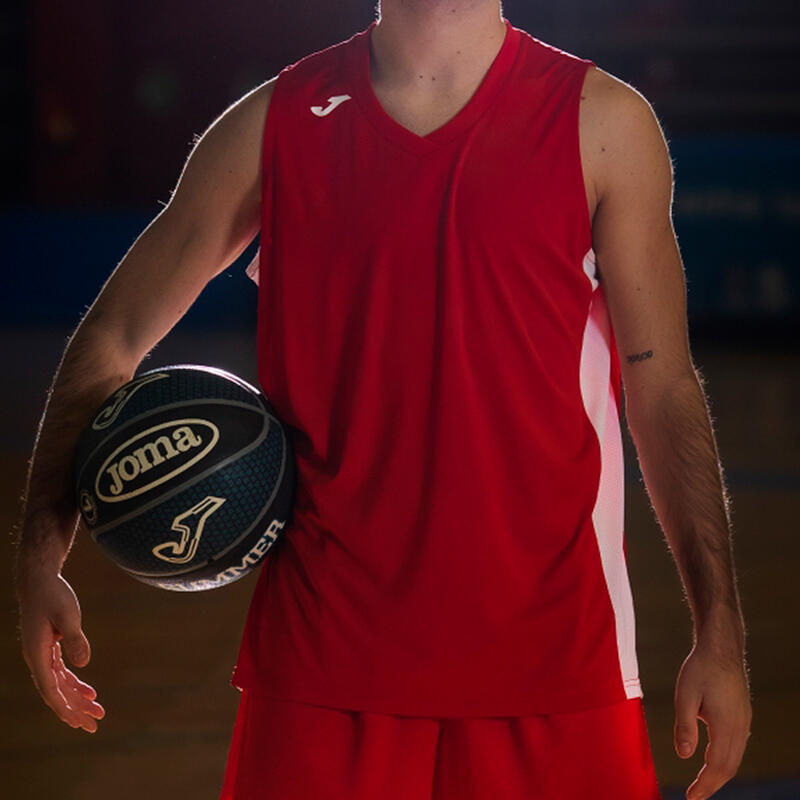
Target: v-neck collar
[491,84]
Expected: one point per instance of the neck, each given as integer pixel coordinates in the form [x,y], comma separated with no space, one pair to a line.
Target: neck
[419,42]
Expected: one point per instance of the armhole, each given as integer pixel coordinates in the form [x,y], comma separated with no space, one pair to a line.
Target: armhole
[257,266]
[582,70]
[615,376]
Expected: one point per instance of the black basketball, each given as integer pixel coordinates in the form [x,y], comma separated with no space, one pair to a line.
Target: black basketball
[185,477]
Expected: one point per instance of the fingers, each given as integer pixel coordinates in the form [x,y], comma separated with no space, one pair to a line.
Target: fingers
[687,706]
[722,758]
[717,694]
[76,646]
[70,679]
[50,617]
[79,686]
[70,699]
[74,641]
[46,681]
[78,695]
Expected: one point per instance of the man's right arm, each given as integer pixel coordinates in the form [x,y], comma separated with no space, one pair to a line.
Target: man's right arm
[210,219]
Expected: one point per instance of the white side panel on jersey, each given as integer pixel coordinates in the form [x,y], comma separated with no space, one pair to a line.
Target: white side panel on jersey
[252,267]
[608,513]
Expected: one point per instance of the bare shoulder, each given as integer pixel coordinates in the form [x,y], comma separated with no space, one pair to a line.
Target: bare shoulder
[254,104]
[242,123]
[619,133]
[224,165]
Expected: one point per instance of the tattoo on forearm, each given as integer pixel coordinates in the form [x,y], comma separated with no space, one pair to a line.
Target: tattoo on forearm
[640,356]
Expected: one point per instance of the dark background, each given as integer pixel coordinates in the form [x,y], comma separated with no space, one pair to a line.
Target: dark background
[101,101]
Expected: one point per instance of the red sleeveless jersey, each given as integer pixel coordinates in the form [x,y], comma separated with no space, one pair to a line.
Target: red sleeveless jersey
[431,331]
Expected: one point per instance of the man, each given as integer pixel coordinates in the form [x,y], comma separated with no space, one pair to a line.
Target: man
[453,216]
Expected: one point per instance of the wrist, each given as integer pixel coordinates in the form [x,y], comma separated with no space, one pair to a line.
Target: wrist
[722,632]
[42,550]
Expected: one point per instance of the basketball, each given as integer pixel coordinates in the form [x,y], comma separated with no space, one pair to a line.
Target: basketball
[185,477]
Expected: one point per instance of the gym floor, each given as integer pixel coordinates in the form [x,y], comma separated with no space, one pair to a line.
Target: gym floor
[161,661]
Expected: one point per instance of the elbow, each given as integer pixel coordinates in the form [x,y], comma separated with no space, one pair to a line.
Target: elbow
[656,403]
[103,343]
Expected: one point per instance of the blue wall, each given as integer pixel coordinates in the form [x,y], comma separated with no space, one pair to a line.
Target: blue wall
[57,261]
[736,208]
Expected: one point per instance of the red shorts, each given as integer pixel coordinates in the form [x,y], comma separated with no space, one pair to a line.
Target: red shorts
[283,750]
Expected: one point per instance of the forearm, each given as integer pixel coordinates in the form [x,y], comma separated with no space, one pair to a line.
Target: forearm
[90,369]
[680,464]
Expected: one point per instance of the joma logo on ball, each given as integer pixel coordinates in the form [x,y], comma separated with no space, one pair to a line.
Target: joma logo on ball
[110,412]
[135,458]
[150,455]
[250,560]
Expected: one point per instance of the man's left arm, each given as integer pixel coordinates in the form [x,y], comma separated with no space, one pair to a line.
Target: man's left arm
[628,168]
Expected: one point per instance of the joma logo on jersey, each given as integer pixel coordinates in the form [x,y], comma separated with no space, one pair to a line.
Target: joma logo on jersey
[153,457]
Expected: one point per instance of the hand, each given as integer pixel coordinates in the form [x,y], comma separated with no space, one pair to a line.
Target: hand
[715,690]
[49,616]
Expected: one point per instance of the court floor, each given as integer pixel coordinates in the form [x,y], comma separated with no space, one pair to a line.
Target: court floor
[162,661]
